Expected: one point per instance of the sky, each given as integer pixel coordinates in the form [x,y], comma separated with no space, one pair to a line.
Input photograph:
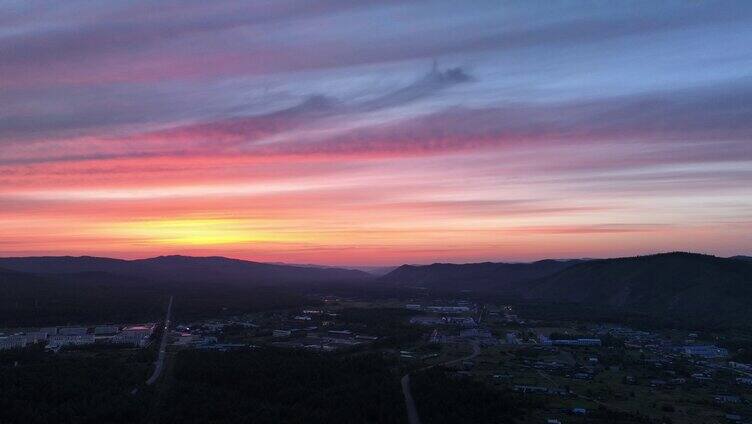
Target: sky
[375,132]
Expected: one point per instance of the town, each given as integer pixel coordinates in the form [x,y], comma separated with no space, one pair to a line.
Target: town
[568,372]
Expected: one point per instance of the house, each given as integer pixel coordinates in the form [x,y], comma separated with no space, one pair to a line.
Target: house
[576,342]
[740,366]
[727,399]
[461,321]
[427,321]
[705,351]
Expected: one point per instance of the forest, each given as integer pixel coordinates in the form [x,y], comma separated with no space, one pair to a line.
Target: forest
[38,387]
[268,385]
[446,398]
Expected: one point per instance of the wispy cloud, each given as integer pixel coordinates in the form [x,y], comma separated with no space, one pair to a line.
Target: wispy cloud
[544,129]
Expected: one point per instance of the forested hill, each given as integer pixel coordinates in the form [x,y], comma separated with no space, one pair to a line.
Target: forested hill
[185,269]
[28,299]
[683,285]
[496,276]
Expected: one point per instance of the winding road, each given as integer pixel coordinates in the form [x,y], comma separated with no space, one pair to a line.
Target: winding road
[159,363]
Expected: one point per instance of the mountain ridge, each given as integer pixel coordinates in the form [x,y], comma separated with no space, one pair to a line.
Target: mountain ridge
[678,284]
[183,268]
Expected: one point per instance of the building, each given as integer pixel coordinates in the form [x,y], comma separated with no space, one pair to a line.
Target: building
[740,366]
[727,399]
[137,335]
[49,330]
[35,336]
[72,331]
[461,321]
[707,351]
[539,390]
[106,330]
[448,309]
[281,333]
[12,342]
[427,320]
[59,340]
[576,342]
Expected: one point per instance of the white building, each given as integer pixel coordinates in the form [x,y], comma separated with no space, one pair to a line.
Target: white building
[59,340]
[461,321]
[576,342]
[708,352]
[136,335]
[103,330]
[35,336]
[12,342]
[449,309]
[49,330]
[72,331]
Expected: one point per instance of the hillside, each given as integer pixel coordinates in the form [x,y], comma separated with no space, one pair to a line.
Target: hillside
[185,269]
[478,276]
[682,285]
[101,297]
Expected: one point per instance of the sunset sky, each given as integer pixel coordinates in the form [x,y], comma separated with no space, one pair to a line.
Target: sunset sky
[375,132]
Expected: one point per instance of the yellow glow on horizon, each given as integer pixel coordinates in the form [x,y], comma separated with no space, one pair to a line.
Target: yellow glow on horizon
[195,232]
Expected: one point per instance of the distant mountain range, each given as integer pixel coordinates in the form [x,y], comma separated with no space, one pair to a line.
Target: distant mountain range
[185,269]
[493,276]
[689,286]
[681,285]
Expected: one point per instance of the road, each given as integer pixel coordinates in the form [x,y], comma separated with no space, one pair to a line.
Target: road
[160,362]
[412,410]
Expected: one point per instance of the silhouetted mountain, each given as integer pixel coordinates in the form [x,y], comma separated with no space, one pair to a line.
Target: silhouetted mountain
[185,269]
[477,276]
[742,258]
[682,285]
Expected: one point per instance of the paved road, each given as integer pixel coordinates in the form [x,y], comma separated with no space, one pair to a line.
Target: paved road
[159,363]
[412,410]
